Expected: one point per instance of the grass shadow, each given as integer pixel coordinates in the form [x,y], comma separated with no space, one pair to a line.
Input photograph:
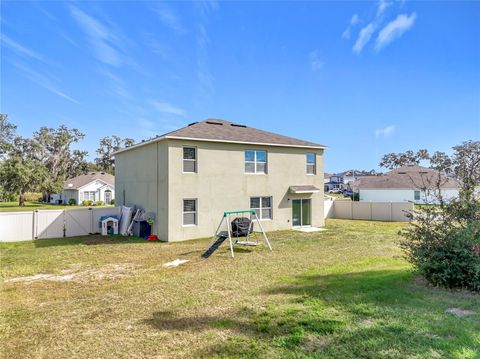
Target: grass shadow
[349,315]
[88,240]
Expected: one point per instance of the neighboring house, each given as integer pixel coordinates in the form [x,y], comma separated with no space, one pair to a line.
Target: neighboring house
[409,183]
[335,181]
[190,176]
[94,186]
[341,181]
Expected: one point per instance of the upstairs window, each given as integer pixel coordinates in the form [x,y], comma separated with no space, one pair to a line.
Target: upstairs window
[311,163]
[255,161]
[190,159]
[262,206]
[189,212]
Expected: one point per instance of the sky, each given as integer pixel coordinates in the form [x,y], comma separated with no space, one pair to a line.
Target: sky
[363,78]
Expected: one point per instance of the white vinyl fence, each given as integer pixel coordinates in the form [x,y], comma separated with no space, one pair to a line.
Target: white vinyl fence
[40,224]
[371,211]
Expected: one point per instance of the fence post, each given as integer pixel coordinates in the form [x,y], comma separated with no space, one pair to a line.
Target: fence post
[371,210]
[391,212]
[351,208]
[33,225]
[64,223]
[91,220]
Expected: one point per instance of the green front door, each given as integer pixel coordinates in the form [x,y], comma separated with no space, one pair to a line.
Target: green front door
[301,212]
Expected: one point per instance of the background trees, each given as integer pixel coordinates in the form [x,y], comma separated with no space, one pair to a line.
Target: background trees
[109,145]
[57,156]
[22,171]
[42,163]
[7,134]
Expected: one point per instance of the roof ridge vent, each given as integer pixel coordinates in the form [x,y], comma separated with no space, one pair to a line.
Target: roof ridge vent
[213,122]
[191,124]
[238,125]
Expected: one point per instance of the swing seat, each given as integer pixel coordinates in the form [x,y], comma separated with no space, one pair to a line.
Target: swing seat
[246,243]
[241,227]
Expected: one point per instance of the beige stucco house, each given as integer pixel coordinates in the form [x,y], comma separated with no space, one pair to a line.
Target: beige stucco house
[190,176]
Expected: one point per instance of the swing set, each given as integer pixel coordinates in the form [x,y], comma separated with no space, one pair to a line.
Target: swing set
[239,227]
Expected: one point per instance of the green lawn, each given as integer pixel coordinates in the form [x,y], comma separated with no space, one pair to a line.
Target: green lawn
[342,293]
[30,206]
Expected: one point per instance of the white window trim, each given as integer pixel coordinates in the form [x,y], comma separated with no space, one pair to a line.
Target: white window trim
[195,212]
[83,193]
[255,162]
[310,164]
[195,160]
[261,207]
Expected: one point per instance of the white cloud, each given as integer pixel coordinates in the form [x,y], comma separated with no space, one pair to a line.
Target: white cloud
[364,37]
[43,81]
[385,132]
[165,107]
[315,61]
[169,18]
[117,85]
[353,21]
[15,46]
[394,29]
[103,41]
[382,6]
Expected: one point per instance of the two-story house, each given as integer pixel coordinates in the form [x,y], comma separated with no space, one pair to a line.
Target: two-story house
[335,182]
[190,176]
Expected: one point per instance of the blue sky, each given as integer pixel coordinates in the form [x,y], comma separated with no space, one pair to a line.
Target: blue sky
[364,78]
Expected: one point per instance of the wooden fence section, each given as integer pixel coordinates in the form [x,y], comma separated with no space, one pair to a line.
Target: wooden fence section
[40,224]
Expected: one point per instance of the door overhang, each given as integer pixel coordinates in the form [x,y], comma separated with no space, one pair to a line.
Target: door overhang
[303,189]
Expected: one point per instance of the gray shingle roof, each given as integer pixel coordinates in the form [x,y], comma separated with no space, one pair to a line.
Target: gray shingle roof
[407,177]
[82,180]
[216,130]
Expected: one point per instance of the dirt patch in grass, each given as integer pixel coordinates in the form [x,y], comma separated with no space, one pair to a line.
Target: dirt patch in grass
[81,275]
[459,312]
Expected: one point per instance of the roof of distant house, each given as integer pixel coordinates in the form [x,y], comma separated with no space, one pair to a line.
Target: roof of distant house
[215,130]
[407,177]
[82,180]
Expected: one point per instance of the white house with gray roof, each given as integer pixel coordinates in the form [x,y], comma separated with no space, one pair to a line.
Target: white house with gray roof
[407,184]
[190,176]
[94,186]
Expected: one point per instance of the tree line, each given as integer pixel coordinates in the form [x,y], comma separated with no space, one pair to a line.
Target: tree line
[43,162]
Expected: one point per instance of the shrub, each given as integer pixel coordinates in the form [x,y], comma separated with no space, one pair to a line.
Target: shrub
[355,196]
[33,197]
[112,202]
[72,202]
[98,203]
[444,244]
[87,202]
